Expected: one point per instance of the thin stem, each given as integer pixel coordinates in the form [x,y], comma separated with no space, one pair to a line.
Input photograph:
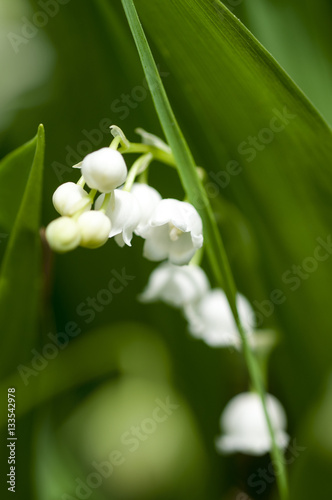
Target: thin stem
[81,182]
[158,154]
[140,165]
[195,190]
[106,202]
[116,142]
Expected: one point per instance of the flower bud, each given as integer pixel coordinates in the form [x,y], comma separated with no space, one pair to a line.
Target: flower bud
[104,170]
[69,198]
[95,228]
[63,234]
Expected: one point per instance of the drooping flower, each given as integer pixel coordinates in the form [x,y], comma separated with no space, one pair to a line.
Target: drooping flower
[104,170]
[244,427]
[69,198]
[211,319]
[63,234]
[174,232]
[148,199]
[178,286]
[124,214]
[95,228]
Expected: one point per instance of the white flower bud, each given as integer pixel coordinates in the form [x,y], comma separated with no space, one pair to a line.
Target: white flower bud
[95,229]
[69,198]
[148,198]
[63,234]
[104,170]
[244,425]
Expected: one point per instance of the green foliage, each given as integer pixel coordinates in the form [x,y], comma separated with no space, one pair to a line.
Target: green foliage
[21,270]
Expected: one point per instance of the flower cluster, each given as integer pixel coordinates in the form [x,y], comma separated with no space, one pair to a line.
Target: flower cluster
[209,316]
[116,205]
[172,229]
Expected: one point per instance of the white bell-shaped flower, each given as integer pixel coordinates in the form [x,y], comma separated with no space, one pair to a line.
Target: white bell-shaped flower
[124,214]
[175,232]
[104,170]
[148,199]
[63,234]
[69,198]
[178,286]
[211,319]
[95,229]
[244,427]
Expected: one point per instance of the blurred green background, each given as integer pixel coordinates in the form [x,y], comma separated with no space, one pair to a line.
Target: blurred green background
[77,75]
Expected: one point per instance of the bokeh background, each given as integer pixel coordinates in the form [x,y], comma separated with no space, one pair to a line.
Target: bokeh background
[77,75]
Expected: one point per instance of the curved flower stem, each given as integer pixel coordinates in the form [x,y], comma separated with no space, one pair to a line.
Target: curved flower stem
[115,143]
[158,154]
[195,190]
[138,167]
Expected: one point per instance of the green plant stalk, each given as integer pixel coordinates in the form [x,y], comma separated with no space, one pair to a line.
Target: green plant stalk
[197,195]
[159,155]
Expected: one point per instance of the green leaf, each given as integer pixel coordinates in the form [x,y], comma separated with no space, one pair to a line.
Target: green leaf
[14,172]
[20,274]
[229,89]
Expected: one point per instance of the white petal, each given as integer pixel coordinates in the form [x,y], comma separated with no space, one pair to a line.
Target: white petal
[124,213]
[148,198]
[173,211]
[176,285]
[212,319]
[157,244]
[182,251]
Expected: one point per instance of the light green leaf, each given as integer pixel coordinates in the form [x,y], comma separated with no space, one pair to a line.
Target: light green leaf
[20,274]
[233,91]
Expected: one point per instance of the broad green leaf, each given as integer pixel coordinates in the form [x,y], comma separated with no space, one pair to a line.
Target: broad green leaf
[21,270]
[232,89]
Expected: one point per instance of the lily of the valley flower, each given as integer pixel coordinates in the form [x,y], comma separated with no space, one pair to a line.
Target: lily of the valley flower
[148,198]
[124,213]
[244,427]
[174,232]
[70,197]
[178,286]
[95,228]
[63,234]
[104,170]
[212,320]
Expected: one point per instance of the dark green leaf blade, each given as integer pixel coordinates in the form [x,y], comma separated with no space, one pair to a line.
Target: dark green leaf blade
[20,275]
